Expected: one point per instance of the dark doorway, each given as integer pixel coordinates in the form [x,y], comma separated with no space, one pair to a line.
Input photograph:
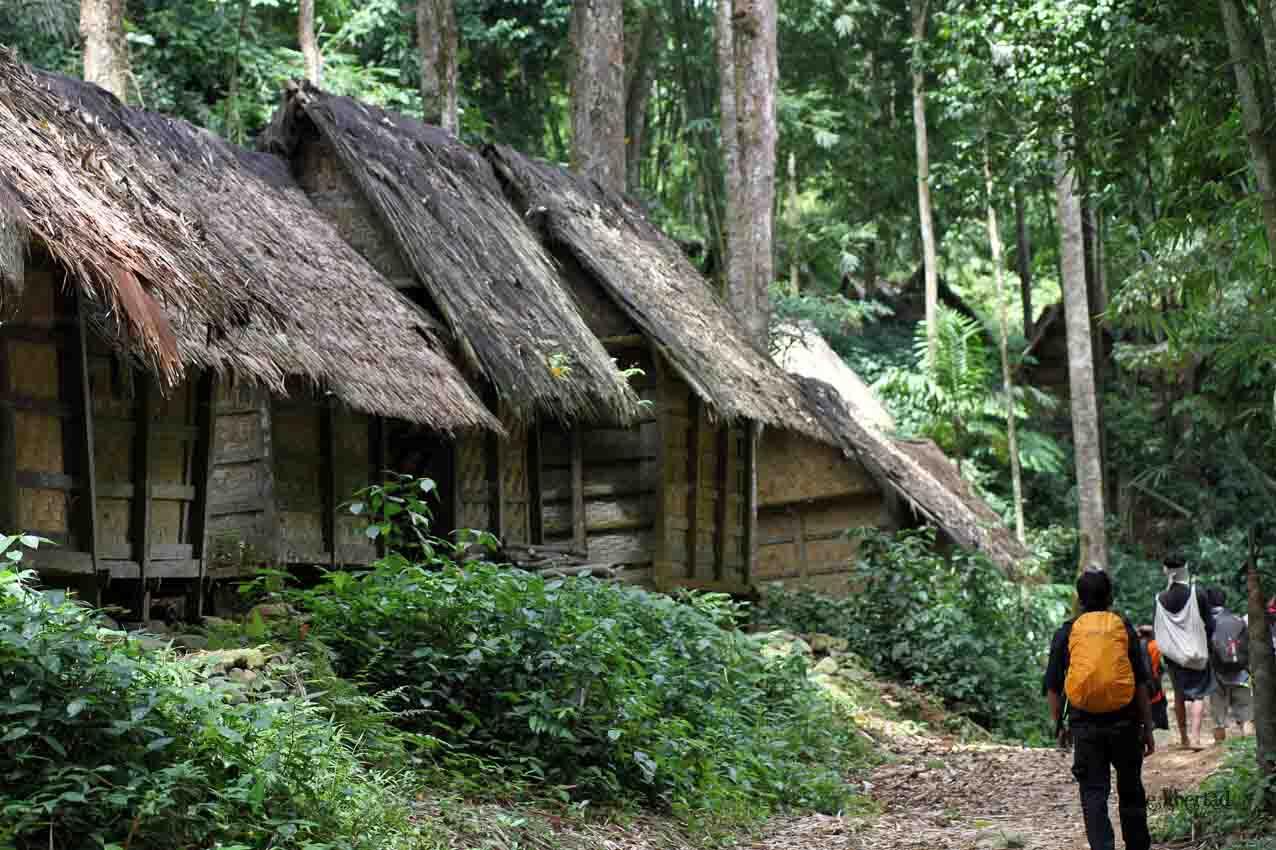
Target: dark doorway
[420,452]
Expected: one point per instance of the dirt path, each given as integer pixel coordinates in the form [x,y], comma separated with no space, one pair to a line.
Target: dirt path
[941,795]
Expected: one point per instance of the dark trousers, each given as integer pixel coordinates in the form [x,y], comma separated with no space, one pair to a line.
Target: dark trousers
[1096,750]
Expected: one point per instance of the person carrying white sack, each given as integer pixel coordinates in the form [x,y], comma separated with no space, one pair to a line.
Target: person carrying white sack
[1183,633]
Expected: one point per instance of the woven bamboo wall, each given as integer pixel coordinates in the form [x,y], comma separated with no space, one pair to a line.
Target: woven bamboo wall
[809,496]
[242,531]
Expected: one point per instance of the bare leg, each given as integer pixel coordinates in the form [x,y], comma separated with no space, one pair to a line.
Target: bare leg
[1196,710]
[1180,715]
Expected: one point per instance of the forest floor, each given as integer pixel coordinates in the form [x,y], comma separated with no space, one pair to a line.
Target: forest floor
[939,793]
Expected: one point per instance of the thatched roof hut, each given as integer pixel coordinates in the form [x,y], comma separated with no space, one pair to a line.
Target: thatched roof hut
[484,271]
[919,473]
[196,253]
[645,273]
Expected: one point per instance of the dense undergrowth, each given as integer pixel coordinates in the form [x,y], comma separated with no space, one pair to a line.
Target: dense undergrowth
[405,683]
[1227,810]
[950,624]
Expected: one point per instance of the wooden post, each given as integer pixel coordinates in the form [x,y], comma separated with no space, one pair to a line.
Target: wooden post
[142,491]
[722,513]
[328,448]
[536,494]
[693,484]
[579,536]
[752,437]
[799,537]
[87,454]
[8,450]
[204,464]
[495,472]
[271,510]
[661,561]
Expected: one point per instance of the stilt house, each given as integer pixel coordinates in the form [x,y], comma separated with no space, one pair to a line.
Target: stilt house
[163,293]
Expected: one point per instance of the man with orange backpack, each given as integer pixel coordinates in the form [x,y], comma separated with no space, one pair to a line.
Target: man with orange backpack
[1097,683]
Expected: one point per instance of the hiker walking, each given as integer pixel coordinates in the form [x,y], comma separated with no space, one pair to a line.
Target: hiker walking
[1229,656]
[1097,684]
[1183,631]
[1156,693]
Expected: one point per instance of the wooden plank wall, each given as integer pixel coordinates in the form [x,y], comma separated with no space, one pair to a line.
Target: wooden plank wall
[704,499]
[321,456]
[809,496]
[242,531]
[599,484]
[93,455]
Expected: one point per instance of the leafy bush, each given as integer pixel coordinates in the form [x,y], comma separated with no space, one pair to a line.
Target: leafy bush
[613,691]
[950,624]
[108,746]
[1228,801]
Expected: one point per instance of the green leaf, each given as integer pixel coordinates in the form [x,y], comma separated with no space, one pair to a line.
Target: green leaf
[15,733]
[372,532]
[158,744]
[74,707]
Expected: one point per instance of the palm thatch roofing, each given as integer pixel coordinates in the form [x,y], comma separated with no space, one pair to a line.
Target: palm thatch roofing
[916,470]
[497,290]
[196,253]
[646,274]
[923,476]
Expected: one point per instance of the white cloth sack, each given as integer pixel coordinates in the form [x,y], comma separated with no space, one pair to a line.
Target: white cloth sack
[1181,637]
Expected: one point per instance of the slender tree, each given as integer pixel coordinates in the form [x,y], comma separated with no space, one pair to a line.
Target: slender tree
[920,9]
[1085,411]
[1003,310]
[730,136]
[1023,259]
[311,57]
[105,48]
[1254,111]
[598,91]
[751,225]
[791,219]
[1263,669]
[642,57]
[437,41]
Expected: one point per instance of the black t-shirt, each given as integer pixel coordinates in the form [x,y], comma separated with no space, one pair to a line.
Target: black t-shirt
[1057,672]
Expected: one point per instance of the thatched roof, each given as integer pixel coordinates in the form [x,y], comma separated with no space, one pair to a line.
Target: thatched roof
[648,277]
[510,313]
[916,470]
[194,252]
[803,351]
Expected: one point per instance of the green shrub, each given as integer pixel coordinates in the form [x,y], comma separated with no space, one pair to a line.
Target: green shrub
[611,691]
[104,745]
[1229,801]
[949,624]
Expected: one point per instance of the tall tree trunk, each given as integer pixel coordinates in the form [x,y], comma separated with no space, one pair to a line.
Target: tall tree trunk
[1023,251]
[793,224]
[919,10]
[1263,670]
[1253,113]
[1007,379]
[752,221]
[1085,412]
[598,91]
[310,55]
[438,43]
[730,135]
[641,59]
[105,48]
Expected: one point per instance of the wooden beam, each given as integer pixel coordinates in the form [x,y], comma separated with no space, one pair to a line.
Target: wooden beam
[693,484]
[753,436]
[141,504]
[328,472]
[579,538]
[799,534]
[87,454]
[535,489]
[662,569]
[722,518]
[8,453]
[203,465]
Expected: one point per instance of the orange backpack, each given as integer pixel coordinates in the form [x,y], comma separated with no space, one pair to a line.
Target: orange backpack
[1100,678]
